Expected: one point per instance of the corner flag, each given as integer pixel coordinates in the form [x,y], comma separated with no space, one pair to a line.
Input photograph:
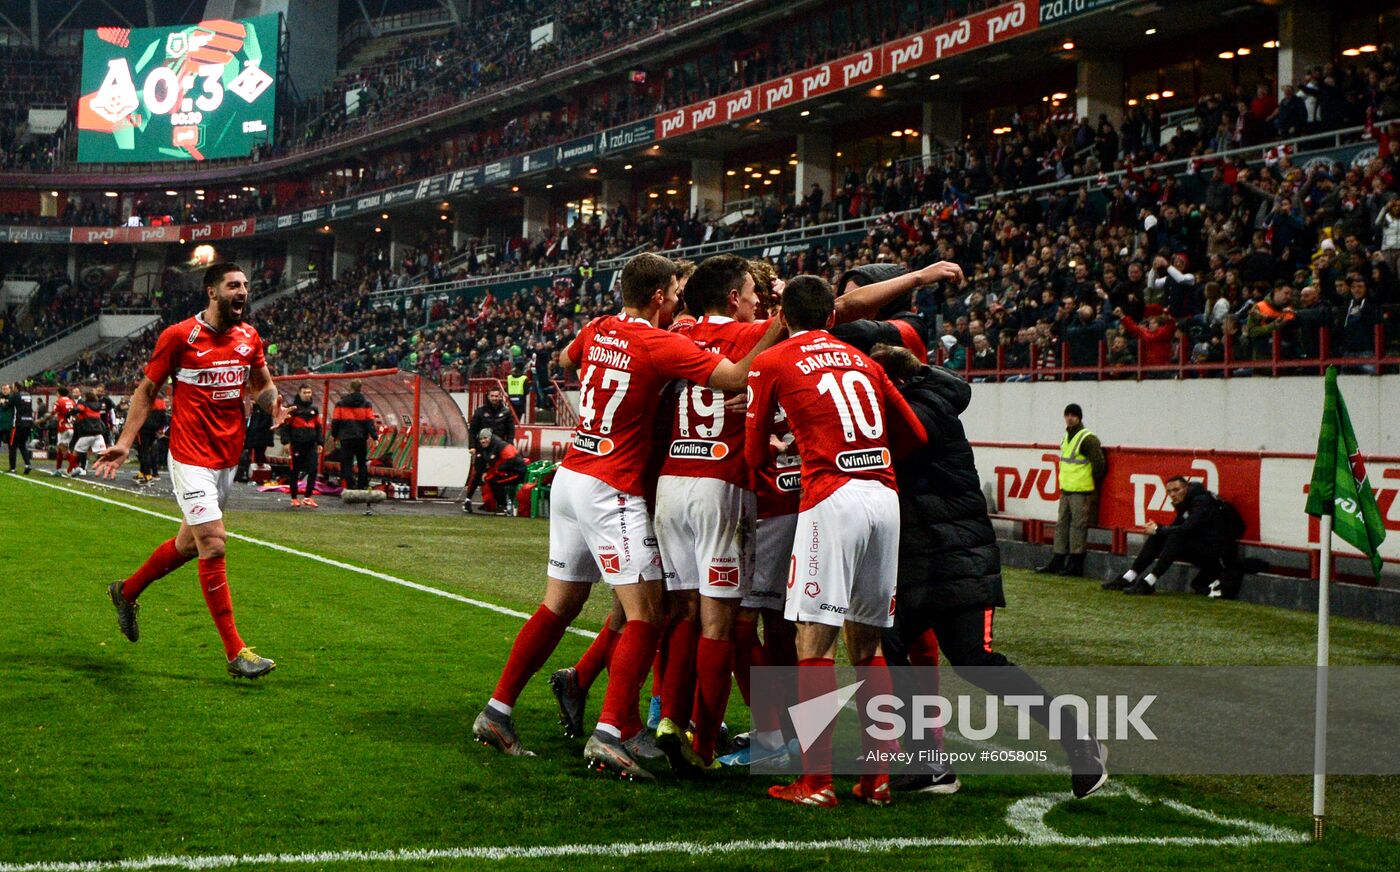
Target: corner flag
[1339,485]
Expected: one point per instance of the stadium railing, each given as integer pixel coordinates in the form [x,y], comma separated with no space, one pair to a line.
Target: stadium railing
[49,340]
[1319,142]
[1043,368]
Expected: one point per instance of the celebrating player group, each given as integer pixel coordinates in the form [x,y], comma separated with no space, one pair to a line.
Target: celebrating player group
[686,493]
[731,429]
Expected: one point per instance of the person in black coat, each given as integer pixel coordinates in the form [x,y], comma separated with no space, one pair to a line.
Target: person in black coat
[1197,535]
[257,438]
[949,582]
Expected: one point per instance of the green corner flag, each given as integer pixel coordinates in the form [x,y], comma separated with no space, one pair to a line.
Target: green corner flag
[1339,485]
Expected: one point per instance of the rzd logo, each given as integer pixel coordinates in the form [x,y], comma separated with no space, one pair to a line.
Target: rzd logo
[1039,482]
[1003,24]
[1150,489]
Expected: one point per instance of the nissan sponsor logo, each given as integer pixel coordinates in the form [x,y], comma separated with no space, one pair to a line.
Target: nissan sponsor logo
[863,459]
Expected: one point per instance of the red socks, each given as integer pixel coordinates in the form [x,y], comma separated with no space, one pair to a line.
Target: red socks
[163,561]
[817,677]
[714,663]
[595,659]
[748,652]
[877,682]
[213,580]
[533,645]
[628,670]
[678,686]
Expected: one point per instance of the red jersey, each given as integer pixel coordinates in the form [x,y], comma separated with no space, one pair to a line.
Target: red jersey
[62,408]
[778,482]
[707,441]
[625,363]
[845,412]
[210,370]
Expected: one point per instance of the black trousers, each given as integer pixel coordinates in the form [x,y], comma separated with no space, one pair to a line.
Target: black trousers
[964,636]
[355,456]
[19,442]
[1211,560]
[146,452]
[304,463]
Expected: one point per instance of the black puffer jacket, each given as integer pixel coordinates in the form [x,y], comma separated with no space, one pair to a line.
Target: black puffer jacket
[1198,517]
[948,554]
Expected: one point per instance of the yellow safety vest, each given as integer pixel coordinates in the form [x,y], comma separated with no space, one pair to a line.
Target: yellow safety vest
[515,385]
[1076,473]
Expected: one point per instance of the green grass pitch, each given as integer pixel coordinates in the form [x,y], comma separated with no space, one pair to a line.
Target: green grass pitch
[359,742]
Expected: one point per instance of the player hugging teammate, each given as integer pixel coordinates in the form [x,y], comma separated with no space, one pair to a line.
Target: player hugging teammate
[728,515]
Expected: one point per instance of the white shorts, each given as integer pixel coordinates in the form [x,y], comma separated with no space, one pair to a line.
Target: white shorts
[772,562]
[90,444]
[200,491]
[598,532]
[845,556]
[705,528]
[65,438]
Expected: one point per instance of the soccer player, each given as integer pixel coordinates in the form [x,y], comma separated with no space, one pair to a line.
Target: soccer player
[212,358]
[89,430]
[62,408]
[303,434]
[599,525]
[848,420]
[704,520]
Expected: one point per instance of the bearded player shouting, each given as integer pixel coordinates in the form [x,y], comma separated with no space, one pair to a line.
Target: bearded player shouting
[211,358]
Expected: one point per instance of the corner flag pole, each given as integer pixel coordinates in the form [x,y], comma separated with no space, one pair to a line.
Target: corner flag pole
[1324,595]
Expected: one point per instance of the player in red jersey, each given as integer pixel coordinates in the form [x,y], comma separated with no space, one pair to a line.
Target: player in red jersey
[848,420]
[599,525]
[212,358]
[62,408]
[704,519]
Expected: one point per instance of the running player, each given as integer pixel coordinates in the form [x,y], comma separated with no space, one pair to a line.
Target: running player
[848,420]
[599,526]
[212,358]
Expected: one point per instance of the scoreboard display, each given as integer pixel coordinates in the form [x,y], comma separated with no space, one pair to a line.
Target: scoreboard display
[193,92]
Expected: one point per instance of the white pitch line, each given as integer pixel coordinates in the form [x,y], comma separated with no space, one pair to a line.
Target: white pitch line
[339,564]
[635,849]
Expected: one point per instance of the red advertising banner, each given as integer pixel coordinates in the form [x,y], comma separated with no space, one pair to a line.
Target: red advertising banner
[1269,490]
[976,31]
[544,443]
[166,234]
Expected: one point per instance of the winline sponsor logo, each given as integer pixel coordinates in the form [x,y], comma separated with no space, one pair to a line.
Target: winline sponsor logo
[699,449]
[599,445]
[867,458]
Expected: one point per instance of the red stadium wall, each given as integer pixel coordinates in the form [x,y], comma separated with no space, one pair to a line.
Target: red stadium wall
[1021,482]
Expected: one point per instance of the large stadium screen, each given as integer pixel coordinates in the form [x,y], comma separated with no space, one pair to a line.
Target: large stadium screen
[195,92]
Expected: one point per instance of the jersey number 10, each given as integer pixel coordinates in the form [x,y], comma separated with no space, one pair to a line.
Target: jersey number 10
[850,408]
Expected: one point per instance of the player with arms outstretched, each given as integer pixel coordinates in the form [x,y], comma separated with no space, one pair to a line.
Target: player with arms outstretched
[599,524]
[848,420]
[212,358]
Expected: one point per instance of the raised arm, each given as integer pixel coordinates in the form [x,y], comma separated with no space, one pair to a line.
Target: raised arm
[866,302]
